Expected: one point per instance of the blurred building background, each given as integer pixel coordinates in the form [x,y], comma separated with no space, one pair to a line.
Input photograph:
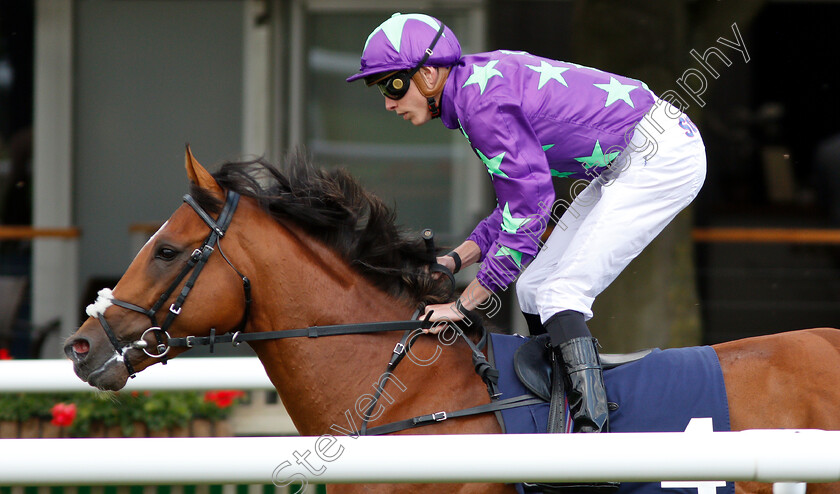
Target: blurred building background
[98,98]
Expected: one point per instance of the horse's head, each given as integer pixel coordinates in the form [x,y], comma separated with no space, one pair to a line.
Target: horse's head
[156,300]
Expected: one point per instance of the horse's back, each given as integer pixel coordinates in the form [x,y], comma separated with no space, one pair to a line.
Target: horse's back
[786,380]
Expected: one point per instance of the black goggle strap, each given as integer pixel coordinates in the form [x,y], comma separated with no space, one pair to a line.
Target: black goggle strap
[429,51]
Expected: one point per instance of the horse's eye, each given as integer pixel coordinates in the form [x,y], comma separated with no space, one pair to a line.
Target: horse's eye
[166,253]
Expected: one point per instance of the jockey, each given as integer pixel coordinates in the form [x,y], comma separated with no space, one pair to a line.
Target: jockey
[638,160]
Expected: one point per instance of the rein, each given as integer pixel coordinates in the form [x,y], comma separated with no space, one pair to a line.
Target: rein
[198,259]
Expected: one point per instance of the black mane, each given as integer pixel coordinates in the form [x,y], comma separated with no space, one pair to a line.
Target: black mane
[333,207]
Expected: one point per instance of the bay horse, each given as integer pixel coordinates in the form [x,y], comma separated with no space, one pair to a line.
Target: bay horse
[312,248]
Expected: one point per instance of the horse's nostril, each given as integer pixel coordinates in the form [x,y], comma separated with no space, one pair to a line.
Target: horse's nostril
[77,349]
[81,347]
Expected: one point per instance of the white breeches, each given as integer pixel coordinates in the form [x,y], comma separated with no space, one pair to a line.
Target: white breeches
[616,215]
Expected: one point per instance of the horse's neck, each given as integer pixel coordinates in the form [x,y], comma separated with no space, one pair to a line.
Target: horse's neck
[318,378]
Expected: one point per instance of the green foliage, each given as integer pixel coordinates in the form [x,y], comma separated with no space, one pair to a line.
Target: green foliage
[20,406]
[158,410]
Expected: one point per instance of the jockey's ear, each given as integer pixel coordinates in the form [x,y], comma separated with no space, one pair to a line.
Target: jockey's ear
[199,176]
[430,76]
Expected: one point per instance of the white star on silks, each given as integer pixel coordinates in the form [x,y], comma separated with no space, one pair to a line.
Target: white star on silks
[549,72]
[393,28]
[617,91]
[482,74]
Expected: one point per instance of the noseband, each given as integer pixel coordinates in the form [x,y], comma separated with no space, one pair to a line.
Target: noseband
[198,259]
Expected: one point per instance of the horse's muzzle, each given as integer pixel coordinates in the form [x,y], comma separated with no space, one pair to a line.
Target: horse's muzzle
[102,369]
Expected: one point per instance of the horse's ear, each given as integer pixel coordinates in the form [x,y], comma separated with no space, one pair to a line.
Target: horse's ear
[199,176]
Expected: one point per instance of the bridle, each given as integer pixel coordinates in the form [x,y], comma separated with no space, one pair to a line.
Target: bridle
[195,264]
[198,259]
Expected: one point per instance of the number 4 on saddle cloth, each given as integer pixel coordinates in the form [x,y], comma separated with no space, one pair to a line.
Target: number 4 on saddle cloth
[660,392]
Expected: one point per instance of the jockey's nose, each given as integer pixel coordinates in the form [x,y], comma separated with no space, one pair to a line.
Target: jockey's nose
[77,349]
[390,104]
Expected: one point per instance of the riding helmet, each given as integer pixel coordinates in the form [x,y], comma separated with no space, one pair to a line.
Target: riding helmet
[400,43]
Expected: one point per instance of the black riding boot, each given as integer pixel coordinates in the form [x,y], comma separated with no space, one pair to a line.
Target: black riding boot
[573,344]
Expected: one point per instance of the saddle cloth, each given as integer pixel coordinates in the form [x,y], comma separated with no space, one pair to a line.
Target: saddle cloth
[661,392]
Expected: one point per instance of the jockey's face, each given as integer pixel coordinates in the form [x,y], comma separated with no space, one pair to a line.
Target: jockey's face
[411,107]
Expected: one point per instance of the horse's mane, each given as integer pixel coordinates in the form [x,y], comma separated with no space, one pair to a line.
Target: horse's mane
[333,207]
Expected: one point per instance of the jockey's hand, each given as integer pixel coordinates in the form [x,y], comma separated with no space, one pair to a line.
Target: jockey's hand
[446,262]
[472,297]
[442,314]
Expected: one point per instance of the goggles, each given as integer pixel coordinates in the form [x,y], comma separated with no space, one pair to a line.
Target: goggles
[394,85]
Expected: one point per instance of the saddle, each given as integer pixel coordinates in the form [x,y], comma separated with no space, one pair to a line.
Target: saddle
[540,373]
[533,364]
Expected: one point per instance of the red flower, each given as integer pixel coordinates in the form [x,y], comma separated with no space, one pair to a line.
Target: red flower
[223,398]
[63,414]
[5,355]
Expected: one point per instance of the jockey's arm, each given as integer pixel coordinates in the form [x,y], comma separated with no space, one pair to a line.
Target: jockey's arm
[469,252]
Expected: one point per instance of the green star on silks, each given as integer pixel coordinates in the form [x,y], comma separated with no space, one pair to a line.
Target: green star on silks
[617,91]
[509,223]
[598,158]
[463,131]
[549,72]
[555,173]
[482,74]
[512,253]
[494,164]
[393,28]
